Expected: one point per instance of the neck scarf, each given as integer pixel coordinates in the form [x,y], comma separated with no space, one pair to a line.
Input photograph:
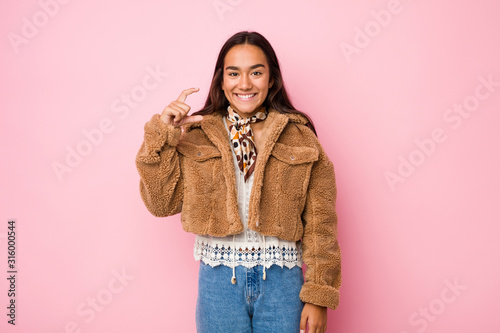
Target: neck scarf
[242,138]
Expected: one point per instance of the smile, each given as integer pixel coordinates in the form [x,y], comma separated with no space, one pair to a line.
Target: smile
[246,97]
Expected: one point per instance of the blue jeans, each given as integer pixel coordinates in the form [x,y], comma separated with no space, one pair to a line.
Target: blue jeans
[252,304]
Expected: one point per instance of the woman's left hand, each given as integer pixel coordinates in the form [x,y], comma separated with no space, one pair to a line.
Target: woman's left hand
[314,317]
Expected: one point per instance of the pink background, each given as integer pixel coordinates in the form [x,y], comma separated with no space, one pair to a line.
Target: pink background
[402,245]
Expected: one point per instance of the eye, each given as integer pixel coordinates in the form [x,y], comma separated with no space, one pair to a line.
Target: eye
[257,73]
[231,74]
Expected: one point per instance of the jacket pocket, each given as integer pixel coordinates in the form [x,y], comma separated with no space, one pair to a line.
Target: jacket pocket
[201,167]
[292,167]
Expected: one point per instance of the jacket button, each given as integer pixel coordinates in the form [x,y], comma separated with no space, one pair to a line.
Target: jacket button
[292,157]
[199,153]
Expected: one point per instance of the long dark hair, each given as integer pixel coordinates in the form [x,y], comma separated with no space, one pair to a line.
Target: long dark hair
[277,98]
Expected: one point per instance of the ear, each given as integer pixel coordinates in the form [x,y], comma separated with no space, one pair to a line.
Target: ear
[271,82]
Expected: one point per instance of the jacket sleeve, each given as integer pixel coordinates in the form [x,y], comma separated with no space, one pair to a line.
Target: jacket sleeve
[321,251]
[161,184]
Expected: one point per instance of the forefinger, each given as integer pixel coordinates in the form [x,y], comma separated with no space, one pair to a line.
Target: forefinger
[182,97]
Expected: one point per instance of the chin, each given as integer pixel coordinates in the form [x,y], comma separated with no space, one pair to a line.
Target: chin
[246,108]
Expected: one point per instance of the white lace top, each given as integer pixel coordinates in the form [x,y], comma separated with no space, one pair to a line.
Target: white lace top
[252,248]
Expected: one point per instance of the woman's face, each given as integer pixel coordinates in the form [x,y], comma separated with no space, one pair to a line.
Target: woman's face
[246,79]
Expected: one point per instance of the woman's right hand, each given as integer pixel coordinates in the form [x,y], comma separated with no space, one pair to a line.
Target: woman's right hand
[176,112]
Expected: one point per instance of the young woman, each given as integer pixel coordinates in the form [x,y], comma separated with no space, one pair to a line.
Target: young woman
[256,187]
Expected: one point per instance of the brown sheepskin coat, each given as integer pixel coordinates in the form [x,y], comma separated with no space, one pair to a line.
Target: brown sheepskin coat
[293,194]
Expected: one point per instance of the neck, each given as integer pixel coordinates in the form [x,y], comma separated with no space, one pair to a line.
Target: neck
[231,110]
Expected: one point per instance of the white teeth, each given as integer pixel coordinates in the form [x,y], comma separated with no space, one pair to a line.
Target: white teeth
[245,96]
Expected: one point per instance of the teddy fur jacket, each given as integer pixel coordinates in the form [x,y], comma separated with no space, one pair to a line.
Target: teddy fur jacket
[191,171]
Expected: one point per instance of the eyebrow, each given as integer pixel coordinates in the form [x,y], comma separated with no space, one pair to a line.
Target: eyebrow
[251,67]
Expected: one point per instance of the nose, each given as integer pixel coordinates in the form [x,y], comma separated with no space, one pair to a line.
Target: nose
[245,83]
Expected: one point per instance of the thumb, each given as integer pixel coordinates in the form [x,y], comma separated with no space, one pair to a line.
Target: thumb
[189,119]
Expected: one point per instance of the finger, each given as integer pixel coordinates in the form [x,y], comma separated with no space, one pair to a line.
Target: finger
[303,323]
[177,112]
[181,105]
[176,108]
[314,327]
[321,328]
[165,118]
[171,109]
[182,97]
